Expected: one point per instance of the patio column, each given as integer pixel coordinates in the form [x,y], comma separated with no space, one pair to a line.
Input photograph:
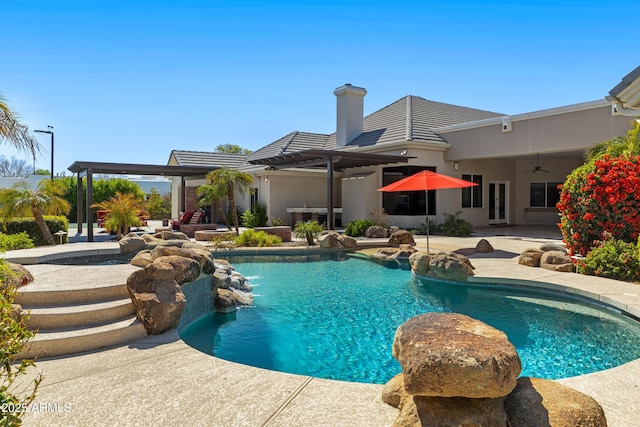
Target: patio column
[330,219]
[89,203]
[79,200]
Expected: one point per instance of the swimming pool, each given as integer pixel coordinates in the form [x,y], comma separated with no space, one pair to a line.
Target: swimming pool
[336,319]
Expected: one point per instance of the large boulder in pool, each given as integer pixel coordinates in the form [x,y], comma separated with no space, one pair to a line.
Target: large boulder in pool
[453,355]
[401,237]
[228,300]
[131,243]
[419,262]
[184,269]
[536,403]
[450,266]
[157,297]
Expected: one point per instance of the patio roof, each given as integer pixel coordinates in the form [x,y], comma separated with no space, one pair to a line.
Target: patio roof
[627,94]
[318,159]
[81,168]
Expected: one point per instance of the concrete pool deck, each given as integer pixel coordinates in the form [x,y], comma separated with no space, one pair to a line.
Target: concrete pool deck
[162,381]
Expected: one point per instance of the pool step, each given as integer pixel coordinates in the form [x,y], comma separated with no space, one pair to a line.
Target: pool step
[56,342]
[78,315]
[32,296]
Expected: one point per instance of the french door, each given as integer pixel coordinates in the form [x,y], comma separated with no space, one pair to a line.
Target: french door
[498,202]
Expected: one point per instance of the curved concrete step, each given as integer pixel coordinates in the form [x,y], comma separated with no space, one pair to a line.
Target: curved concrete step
[31,296]
[71,316]
[75,340]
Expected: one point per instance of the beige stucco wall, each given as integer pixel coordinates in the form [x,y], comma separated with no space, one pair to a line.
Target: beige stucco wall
[557,133]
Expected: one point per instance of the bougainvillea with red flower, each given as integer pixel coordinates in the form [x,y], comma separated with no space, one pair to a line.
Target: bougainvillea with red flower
[601,196]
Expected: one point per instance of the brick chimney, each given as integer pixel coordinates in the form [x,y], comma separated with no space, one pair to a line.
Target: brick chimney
[350,113]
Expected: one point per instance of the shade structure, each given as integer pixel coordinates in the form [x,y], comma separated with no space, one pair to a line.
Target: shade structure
[424,181]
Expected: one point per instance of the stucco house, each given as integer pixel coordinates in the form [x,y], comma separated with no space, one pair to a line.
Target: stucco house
[518,161]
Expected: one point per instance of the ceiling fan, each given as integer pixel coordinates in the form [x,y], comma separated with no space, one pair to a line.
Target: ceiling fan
[537,167]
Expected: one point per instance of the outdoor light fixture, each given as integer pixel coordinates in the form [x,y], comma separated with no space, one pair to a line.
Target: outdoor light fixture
[403,153]
[456,166]
[50,132]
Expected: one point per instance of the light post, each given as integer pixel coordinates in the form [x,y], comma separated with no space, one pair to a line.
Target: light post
[50,132]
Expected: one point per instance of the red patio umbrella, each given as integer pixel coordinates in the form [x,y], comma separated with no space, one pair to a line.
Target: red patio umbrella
[425,181]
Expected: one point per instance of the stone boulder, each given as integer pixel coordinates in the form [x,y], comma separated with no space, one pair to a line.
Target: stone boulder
[185,269]
[483,247]
[556,261]
[347,242]
[142,258]
[546,247]
[228,300]
[376,232]
[173,235]
[450,266]
[157,297]
[530,257]
[419,262]
[16,312]
[131,243]
[329,240]
[421,411]
[453,355]
[20,277]
[536,403]
[401,237]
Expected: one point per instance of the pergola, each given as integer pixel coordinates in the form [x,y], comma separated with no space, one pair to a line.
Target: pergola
[87,169]
[332,160]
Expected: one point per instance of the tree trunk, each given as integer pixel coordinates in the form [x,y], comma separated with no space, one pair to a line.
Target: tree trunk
[46,233]
[234,213]
[223,216]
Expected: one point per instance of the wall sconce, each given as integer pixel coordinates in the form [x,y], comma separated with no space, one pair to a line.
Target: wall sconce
[403,153]
[266,179]
[456,166]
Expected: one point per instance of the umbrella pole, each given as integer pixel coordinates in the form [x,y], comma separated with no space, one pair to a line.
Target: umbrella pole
[426,196]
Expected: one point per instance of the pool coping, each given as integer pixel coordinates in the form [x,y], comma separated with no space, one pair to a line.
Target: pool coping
[98,384]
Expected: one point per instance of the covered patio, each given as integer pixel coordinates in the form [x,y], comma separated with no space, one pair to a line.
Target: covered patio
[88,169]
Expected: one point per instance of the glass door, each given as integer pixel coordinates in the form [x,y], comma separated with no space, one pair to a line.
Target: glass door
[498,202]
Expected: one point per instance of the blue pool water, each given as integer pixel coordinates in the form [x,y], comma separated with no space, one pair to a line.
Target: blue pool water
[337,318]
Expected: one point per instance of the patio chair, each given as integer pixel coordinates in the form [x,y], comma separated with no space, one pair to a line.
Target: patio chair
[185,218]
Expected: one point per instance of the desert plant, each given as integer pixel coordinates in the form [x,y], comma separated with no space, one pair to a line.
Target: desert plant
[276,222]
[612,258]
[253,238]
[256,216]
[358,227]
[9,242]
[600,196]
[308,230]
[456,227]
[23,201]
[15,132]
[380,218]
[123,212]
[227,181]
[14,334]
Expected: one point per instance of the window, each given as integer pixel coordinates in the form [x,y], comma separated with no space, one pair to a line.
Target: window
[472,196]
[544,194]
[406,202]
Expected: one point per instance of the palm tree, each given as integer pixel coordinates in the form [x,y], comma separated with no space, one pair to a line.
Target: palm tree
[124,210]
[48,199]
[628,145]
[227,181]
[14,132]
[211,195]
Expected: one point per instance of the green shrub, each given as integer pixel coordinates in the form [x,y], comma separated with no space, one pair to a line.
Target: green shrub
[13,337]
[158,205]
[612,258]
[9,242]
[277,222]
[28,225]
[254,238]
[239,212]
[308,230]
[358,227]
[456,227]
[256,216]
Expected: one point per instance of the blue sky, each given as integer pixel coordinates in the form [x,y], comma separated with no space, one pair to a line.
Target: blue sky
[128,81]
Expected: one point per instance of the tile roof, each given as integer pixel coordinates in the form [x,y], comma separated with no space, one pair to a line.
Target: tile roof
[202,158]
[410,118]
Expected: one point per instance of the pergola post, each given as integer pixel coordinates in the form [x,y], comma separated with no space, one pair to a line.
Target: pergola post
[89,203]
[79,200]
[330,219]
